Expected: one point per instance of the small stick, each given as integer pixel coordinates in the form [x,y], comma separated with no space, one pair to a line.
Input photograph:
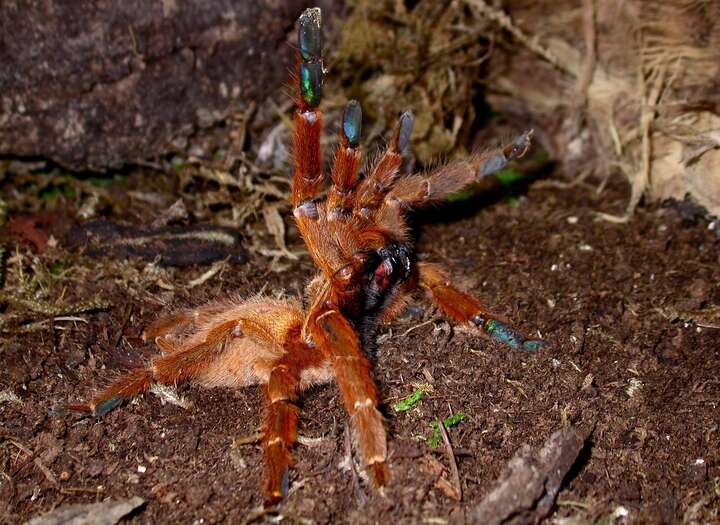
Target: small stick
[348,455]
[451,458]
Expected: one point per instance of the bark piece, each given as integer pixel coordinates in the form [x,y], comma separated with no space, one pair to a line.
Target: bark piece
[104,513]
[171,245]
[526,491]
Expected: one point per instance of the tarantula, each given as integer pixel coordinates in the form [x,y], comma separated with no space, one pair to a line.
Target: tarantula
[358,237]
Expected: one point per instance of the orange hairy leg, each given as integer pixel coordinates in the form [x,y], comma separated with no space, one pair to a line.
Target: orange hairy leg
[175,323]
[308,175]
[373,189]
[344,175]
[417,190]
[339,342]
[308,169]
[462,307]
[280,429]
[176,366]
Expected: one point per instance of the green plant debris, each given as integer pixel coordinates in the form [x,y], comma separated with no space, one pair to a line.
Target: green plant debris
[450,421]
[406,404]
[177,163]
[105,182]
[50,309]
[509,176]
[56,191]
[462,195]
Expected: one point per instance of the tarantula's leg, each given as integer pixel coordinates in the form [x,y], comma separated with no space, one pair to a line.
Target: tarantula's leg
[373,189]
[308,174]
[280,430]
[462,307]
[418,190]
[175,366]
[337,340]
[175,323]
[345,172]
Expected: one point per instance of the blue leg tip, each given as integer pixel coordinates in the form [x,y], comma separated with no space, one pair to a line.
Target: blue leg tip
[503,333]
[106,406]
[533,345]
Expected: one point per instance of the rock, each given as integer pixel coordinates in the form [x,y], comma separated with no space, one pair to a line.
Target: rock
[124,82]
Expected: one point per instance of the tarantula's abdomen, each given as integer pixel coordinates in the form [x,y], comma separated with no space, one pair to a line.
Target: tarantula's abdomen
[243,362]
[247,338]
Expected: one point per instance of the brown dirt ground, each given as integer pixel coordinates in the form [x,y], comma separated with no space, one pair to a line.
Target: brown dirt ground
[646,384]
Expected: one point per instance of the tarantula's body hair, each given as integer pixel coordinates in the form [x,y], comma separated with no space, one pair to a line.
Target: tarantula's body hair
[359,240]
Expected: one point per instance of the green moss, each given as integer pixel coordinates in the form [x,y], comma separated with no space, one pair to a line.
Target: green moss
[451,421]
[406,404]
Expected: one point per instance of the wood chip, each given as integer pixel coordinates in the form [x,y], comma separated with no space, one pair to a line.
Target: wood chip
[104,513]
[526,491]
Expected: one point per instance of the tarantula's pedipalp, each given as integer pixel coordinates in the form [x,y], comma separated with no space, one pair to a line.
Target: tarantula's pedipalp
[358,238]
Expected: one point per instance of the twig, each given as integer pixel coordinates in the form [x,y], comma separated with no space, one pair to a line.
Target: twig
[214,269]
[248,439]
[425,323]
[46,471]
[349,459]
[451,459]
[75,490]
[588,67]
[257,514]
[503,20]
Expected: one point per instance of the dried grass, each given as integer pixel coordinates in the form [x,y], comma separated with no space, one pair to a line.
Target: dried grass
[650,108]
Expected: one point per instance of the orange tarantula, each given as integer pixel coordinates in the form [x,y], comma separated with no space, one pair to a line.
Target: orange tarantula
[358,237]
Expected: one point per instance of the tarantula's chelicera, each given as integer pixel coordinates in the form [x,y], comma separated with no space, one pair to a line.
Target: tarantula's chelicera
[358,237]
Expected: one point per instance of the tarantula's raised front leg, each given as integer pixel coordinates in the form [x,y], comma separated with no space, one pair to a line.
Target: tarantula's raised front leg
[339,342]
[308,169]
[462,307]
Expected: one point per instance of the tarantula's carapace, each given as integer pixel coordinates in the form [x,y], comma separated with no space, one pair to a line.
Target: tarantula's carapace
[357,236]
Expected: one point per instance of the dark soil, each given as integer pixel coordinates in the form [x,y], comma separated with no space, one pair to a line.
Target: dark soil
[622,365]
